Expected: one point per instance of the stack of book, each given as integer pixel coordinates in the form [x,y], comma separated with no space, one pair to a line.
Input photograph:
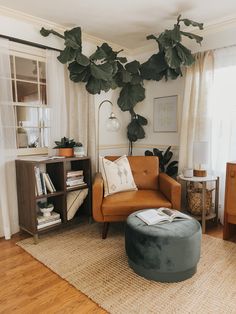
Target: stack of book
[75,179]
[43,182]
[53,219]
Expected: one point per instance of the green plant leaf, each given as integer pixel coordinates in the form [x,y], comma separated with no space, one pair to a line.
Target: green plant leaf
[122,59]
[188,22]
[152,37]
[46,32]
[82,59]
[75,67]
[192,36]
[73,38]
[102,71]
[130,95]
[136,79]
[126,76]
[148,153]
[99,54]
[133,67]
[172,58]
[153,68]
[66,55]
[141,119]
[185,55]
[135,131]
[167,156]
[95,86]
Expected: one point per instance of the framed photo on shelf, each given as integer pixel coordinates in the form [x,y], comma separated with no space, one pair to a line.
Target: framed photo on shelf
[165,111]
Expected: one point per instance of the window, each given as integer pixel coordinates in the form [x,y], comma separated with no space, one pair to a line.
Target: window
[32,115]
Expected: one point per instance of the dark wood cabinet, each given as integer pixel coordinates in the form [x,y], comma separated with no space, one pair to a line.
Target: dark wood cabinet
[230,201]
[57,170]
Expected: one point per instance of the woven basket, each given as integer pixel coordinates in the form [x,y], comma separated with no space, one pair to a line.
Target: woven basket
[194,199]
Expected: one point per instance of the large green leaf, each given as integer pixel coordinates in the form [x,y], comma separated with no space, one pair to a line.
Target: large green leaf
[135,131]
[126,76]
[75,67]
[153,68]
[141,119]
[82,59]
[67,55]
[130,95]
[192,36]
[73,38]
[172,58]
[102,71]
[133,67]
[99,54]
[185,55]
[95,86]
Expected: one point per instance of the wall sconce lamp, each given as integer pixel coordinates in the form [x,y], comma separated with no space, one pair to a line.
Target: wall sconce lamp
[112,124]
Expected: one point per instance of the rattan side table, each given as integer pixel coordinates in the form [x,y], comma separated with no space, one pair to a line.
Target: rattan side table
[204,181]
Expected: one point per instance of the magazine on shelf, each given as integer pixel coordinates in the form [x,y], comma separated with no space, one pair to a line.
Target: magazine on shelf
[74,173]
[49,223]
[161,215]
[42,219]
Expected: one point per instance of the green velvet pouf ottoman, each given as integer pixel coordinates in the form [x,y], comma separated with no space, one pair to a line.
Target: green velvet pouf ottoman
[167,252]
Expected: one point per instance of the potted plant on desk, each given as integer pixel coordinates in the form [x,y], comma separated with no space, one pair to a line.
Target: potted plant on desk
[65,147]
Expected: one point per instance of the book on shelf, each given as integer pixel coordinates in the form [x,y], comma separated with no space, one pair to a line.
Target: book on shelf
[161,215]
[74,173]
[50,186]
[49,223]
[74,182]
[76,186]
[42,219]
[39,158]
[43,183]
[38,181]
[81,178]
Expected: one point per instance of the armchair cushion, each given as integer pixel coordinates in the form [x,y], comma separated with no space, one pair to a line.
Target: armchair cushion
[125,203]
[117,175]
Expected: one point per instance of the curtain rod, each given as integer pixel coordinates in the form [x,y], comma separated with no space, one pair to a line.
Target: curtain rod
[29,43]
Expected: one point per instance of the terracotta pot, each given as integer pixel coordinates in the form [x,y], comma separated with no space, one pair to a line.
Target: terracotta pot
[66,152]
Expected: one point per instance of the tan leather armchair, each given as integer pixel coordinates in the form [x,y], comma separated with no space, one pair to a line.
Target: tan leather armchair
[154,190]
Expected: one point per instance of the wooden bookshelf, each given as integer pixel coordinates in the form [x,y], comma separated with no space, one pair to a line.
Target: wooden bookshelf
[57,170]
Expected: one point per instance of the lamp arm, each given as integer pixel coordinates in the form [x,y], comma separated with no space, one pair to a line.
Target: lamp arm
[98,125]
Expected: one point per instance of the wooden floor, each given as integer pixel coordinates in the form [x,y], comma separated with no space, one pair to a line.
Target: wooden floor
[27,286]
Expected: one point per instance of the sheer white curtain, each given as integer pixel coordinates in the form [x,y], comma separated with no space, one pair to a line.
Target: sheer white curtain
[72,108]
[223,115]
[81,116]
[8,195]
[56,98]
[196,120]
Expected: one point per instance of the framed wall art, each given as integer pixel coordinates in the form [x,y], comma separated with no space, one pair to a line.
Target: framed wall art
[165,112]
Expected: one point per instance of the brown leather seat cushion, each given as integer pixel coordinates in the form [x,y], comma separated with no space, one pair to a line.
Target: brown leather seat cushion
[125,203]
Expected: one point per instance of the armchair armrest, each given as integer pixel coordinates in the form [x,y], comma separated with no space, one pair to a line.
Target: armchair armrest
[171,189]
[97,197]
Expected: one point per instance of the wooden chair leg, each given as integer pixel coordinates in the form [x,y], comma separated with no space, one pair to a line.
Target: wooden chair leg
[105,230]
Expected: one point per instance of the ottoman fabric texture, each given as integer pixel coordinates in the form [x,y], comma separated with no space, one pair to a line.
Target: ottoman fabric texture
[167,252]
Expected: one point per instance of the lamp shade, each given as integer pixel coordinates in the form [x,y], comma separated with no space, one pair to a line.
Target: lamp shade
[200,153]
[112,123]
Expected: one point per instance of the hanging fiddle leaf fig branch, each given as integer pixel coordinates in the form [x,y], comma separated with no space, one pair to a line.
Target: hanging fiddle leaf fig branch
[105,70]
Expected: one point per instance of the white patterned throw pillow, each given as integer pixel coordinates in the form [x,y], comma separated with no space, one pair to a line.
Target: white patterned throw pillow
[117,175]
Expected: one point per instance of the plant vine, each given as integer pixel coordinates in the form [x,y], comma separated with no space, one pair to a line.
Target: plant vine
[105,69]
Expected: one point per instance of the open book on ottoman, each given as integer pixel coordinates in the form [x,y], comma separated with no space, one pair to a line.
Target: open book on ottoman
[161,215]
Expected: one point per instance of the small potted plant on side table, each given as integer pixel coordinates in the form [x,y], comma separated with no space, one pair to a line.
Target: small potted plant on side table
[65,147]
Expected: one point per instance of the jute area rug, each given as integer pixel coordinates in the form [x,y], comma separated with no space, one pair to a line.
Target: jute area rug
[99,269]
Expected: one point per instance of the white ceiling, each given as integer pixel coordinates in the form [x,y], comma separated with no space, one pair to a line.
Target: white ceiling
[124,22]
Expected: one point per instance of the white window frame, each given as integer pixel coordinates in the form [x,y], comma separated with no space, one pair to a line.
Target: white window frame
[37,54]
